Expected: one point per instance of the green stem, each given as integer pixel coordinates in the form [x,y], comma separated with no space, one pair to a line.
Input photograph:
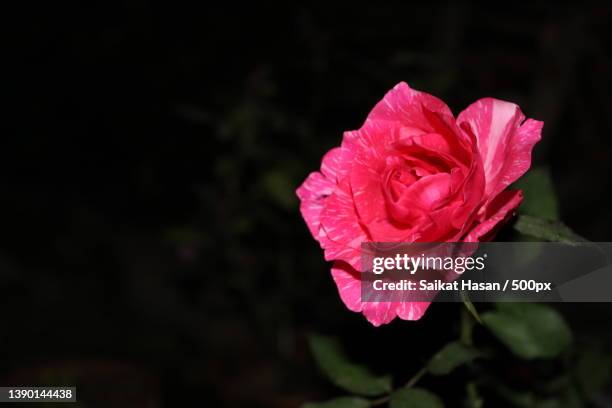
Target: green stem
[474,398]
[415,378]
[380,400]
[411,383]
[467,326]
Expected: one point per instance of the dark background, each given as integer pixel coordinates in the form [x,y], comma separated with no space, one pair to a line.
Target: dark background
[151,248]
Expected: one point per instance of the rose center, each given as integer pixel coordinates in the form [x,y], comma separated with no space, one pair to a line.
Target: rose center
[401,178]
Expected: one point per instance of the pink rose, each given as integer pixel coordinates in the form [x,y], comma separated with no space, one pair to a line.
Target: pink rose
[414,173]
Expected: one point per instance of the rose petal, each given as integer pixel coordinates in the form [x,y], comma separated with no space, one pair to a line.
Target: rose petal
[428,192]
[504,144]
[312,193]
[348,284]
[411,110]
[494,214]
[405,105]
[336,164]
[377,313]
[341,234]
[370,145]
[411,310]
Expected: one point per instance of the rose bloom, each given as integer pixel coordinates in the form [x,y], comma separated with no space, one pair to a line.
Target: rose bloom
[415,173]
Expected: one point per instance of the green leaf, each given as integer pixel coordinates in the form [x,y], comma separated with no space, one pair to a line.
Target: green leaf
[567,398]
[451,356]
[415,398]
[341,402]
[529,330]
[519,399]
[554,231]
[357,379]
[540,199]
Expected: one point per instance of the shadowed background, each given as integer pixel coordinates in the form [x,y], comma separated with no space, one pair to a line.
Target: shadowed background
[152,250]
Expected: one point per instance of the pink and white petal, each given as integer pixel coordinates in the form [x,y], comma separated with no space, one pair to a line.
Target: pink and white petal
[494,214]
[377,313]
[504,144]
[524,140]
[371,146]
[312,193]
[315,187]
[370,204]
[405,105]
[366,185]
[349,287]
[341,234]
[428,192]
[413,113]
[432,141]
[348,284]
[373,139]
[411,310]
[473,195]
[336,163]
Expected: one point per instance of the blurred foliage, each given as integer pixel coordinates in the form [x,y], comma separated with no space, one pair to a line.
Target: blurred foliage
[540,199]
[451,356]
[533,332]
[593,369]
[546,230]
[341,402]
[344,374]
[529,330]
[415,398]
